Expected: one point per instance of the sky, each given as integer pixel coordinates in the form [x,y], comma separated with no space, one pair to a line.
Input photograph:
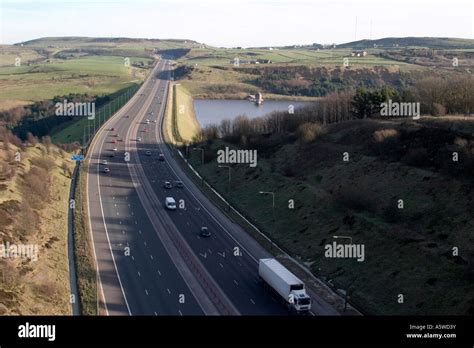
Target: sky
[231,23]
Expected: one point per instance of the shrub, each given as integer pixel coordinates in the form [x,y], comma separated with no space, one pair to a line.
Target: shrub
[308,132]
[44,163]
[383,134]
[416,157]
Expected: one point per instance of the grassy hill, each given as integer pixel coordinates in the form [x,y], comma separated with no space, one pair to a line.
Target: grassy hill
[430,42]
[33,210]
[408,251]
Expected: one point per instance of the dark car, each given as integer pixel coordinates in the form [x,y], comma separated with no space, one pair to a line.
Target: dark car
[204,232]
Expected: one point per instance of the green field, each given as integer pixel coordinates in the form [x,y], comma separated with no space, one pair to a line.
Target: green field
[224,57]
[94,75]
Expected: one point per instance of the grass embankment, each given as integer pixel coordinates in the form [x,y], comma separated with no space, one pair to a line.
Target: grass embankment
[73,131]
[33,210]
[408,251]
[85,264]
[181,121]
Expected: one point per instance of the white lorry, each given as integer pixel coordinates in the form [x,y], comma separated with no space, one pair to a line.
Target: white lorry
[285,284]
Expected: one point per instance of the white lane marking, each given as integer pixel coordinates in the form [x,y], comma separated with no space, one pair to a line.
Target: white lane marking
[223,254]
[156,314]
[159,273]
[169,292]
[108,239]
[140,231]
[146,291]
[236,283]
[120,222]
[133,258]
[144,243]
[117,213]
[151,257]
[220,264]
[251,300]
[180,312]
[139,274]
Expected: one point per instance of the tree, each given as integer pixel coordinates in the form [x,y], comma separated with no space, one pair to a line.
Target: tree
[31,139]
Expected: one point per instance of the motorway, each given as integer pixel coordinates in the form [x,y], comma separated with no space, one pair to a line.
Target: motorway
[152,261]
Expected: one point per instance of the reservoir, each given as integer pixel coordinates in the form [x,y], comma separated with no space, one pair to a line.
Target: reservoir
[213,111]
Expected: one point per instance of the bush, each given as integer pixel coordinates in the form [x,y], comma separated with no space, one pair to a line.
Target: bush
[36,188]
[383,134]
[43,162]
[356,198]
[308,132]
[416,157]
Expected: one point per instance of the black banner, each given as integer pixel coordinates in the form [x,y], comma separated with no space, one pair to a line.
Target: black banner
[291,331]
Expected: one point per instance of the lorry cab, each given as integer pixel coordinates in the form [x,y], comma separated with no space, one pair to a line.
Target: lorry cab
[300,300]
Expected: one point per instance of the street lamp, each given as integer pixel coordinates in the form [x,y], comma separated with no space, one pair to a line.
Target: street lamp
[273,212]
[228,186]
[343,237]
[202,154]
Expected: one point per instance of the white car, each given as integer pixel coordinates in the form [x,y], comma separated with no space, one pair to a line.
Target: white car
[114,149]
[139,138]
[170,203]
[106,170]
[104,162]
[167,185]
[147,121]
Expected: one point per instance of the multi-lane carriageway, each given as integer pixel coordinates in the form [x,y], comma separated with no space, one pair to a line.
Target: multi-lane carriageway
[153,261]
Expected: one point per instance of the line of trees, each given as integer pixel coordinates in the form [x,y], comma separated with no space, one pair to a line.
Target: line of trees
[436,96]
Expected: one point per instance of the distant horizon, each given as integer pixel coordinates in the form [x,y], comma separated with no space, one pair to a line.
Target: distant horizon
[247,47]
[237,23]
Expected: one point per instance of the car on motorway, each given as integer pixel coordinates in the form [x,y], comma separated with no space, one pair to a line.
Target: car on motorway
[204,232]
[116,135]
[104,162]
[106,170]
[161,157]
[114,149]
[145,130]
[147,121]
[139,138]
[167,185]
[112,129]
[178,184]
[148,153]
[170,203]
[154,121]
